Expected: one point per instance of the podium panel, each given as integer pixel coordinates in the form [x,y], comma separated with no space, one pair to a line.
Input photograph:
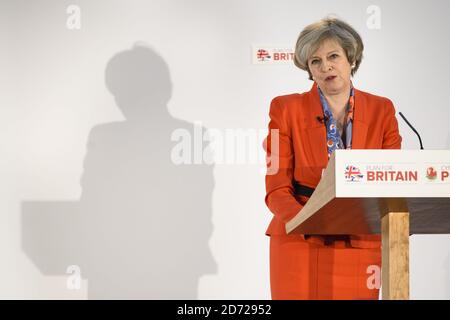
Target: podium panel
[393,192]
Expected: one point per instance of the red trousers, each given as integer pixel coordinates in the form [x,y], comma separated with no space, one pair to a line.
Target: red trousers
[303,270]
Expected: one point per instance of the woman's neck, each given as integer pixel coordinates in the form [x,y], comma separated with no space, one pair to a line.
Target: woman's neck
[338,101]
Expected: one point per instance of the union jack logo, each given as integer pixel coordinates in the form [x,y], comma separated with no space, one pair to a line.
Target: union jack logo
[353,173]
[263,55]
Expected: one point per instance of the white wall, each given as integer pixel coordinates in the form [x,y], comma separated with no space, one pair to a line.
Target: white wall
[86,177]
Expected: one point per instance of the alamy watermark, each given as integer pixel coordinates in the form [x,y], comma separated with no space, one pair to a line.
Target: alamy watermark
[73,21]
[235,146]
[74,279]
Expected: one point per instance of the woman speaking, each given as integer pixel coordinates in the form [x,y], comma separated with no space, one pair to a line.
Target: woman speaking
[309,127]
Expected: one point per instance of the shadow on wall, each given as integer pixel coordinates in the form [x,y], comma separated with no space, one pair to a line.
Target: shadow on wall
[142,225]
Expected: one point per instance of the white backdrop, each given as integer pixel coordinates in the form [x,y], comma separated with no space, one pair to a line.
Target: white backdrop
[86,175]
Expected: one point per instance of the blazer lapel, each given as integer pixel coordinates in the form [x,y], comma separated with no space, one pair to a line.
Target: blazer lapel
[316,132]
[360,127]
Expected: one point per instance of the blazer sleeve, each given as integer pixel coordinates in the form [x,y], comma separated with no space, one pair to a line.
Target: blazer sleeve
[280,165]
[391,135]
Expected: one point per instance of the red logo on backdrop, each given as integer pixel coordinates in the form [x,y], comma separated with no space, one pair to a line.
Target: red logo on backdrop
[263,55]
[353,173]
[431,173]
[283,56]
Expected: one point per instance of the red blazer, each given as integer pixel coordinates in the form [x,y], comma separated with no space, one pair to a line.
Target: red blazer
[303,151]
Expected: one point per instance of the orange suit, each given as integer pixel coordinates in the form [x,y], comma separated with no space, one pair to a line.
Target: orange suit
[310,267]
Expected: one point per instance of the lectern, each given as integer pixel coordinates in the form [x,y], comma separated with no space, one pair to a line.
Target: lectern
[393,192]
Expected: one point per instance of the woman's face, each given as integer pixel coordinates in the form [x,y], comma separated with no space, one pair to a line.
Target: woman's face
[330,68]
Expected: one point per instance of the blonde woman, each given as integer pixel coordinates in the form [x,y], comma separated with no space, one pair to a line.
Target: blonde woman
[311,125]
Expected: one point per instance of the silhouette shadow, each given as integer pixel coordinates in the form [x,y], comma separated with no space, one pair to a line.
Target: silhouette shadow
[141,227]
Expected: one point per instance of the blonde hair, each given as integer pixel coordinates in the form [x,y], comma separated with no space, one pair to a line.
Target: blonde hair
[313,35]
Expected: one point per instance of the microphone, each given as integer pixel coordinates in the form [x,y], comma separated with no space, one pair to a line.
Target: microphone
[409,124]
[322,119]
